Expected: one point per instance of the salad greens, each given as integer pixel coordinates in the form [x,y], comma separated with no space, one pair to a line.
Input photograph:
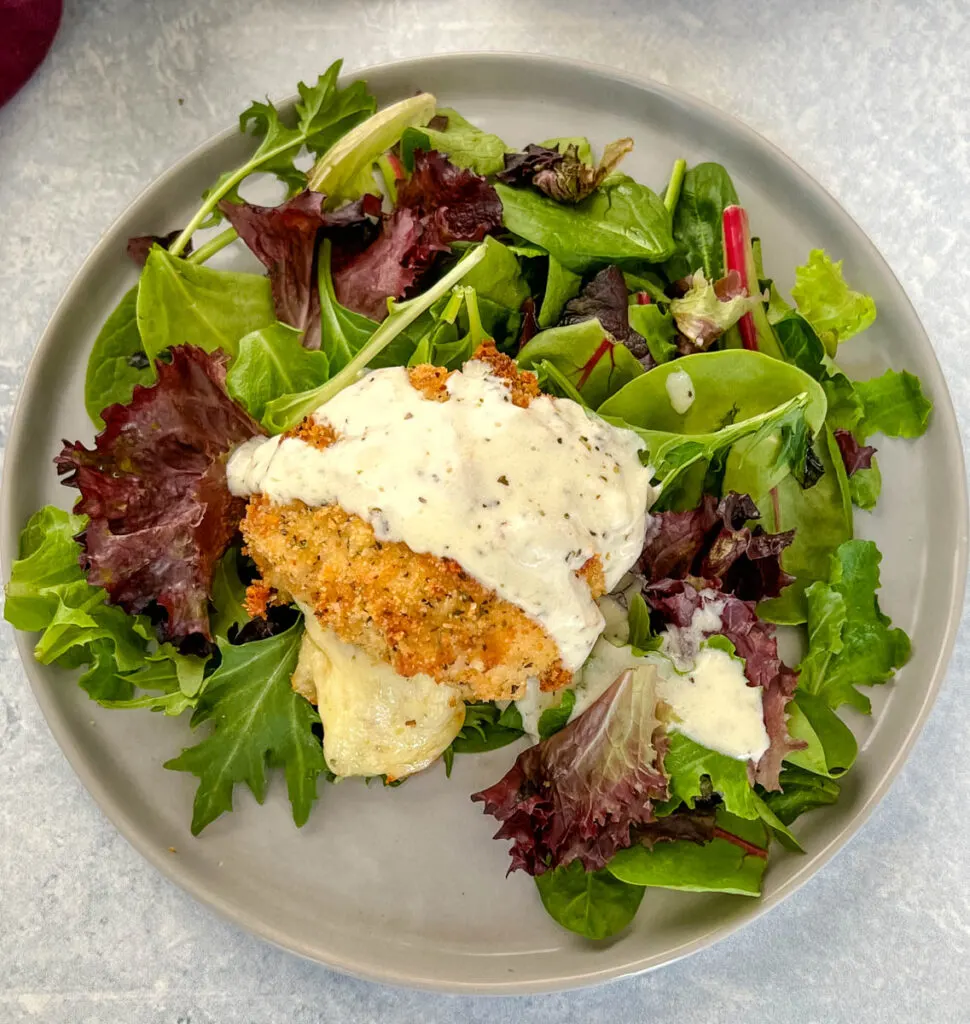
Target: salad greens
[415,238]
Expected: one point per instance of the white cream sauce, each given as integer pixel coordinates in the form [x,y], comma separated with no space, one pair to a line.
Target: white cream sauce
[680,391]
[520,498]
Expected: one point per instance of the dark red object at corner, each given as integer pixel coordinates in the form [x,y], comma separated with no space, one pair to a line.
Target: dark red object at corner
[27,29]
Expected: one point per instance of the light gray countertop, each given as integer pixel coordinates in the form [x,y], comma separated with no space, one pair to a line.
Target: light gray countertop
[873,99]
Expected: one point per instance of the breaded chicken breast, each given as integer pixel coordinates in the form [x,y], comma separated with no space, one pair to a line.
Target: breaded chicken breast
[418,612]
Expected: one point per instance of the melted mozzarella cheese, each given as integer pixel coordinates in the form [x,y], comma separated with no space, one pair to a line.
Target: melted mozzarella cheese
[375,722]
[521,498]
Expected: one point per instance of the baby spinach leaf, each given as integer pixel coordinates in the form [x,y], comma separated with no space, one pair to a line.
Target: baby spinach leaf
[622,220]
[584,354]
[498,277]
[180,302]
[561,286]
[831,747]
[801,791]
[717,866]
[464,144]
[272,362]
[257,720]
[117,362]
[851,642]
[828,303]
[658,330]
[594,904]
[553,719]
[893,404]
[800,344]
[707,189]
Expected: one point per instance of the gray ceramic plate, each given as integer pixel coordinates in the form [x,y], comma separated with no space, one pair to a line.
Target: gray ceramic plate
[406,885]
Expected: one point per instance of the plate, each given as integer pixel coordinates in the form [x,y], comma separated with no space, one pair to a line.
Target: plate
[406,885]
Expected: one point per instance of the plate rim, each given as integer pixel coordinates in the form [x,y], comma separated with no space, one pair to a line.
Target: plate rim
[944,413]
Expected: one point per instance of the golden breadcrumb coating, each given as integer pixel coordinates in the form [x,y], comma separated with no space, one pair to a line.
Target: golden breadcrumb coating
[417,612]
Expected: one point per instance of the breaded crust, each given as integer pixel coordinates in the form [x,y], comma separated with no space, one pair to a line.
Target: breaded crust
[418,612]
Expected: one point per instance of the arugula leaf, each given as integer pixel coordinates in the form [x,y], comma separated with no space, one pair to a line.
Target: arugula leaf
[228,596]
[179,302]
[273,362]
[622,220]
[553,719]
[595,904]
[324,113]
[257,720]
[344,171]
[283,413]
[463,143]
[706,190]
[658,330]
[561,286]
[583,353]
[892,404]
[865,486]
[485,728]
[851,643]
[828,303]
[117,362]
[718,866]
[801,791]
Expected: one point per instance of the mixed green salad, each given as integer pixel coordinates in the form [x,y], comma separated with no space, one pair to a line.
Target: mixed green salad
[410,236]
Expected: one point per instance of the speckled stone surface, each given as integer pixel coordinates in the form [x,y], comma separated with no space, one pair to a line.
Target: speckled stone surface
[873,98]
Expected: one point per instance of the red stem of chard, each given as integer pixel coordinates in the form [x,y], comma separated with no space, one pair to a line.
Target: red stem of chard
[738,256]
[643,298]
[749,848]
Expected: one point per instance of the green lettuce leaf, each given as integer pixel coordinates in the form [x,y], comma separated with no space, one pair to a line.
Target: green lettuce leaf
[463,143]
[828,303]
[272,362]
[622,220]
[257,720]
[695,772]
[498,277]
[851,642]
[180,302]
[892,404]
[49,594]
[865,486]
[594,904]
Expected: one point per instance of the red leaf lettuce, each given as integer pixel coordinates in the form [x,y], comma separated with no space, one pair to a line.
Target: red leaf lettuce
[578,794]
[154,488]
